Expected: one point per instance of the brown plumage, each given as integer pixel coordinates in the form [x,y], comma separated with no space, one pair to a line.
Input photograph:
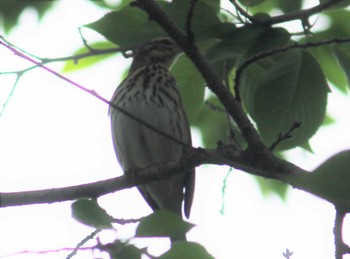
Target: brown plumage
[150,92]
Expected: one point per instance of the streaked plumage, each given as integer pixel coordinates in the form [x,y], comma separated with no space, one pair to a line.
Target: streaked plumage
[150,92]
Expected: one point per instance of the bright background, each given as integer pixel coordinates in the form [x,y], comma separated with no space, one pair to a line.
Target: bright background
[54,135]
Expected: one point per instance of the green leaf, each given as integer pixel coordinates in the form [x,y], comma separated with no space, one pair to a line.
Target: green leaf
[186,250]
[329,120]
[269,186]
[342,52]
[338,26]
[163,224]
[82,63]
[212,123]
[289,6]
[191,85]
[248,41]
[131,26]
[269,39]
[307,147]
[235,43]
[330,181]
[330,66]
[88,212]
[127,27]
[251,3]
[10,11]
[284,89]
[121,250]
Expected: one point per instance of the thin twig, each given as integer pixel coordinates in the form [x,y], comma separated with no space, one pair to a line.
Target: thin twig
[287,135]
[94,94]
[189,18]
[127,221]
[92,50]
[223,191]
[82,242]
[14,86]
[241,11]
[214,107]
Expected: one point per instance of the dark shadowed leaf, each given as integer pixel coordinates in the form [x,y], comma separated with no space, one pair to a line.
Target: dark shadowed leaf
[121,250]
[162,224]
[330,66]
[248,41]
[337,28]
[235,43]
[127,27]
[191,85]
[284,89]
[186,250]
[131,26]
[268,186]
[342,52]
[251,3]
[269,39]
[10,10]
[289,6]
[212,123]
[88,212]
[331,180]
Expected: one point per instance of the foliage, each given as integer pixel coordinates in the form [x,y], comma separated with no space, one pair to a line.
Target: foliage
[330,181]
[277,90]
[294,81]
[10,10]
[280,77]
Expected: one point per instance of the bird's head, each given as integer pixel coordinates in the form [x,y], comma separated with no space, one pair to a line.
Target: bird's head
[160,50]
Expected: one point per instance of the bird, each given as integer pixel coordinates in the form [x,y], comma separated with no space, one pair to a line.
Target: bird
[150,92]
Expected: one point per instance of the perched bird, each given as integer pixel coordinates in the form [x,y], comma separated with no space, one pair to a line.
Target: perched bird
[150,93]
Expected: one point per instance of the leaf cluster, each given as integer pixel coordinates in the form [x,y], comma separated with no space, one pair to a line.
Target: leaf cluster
[159,224]
[277,91]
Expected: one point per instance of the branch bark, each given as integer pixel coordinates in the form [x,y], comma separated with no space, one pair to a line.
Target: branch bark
[297,15]
[215,84]
[224,155]
[259,154]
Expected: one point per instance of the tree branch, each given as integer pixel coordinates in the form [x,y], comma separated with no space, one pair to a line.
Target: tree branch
[225,155]
[189,17]
[302,15]
[214,82]
[241,11]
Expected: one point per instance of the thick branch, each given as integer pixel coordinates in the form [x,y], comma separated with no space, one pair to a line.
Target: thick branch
[225,155]
[302,15]
[213,80]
